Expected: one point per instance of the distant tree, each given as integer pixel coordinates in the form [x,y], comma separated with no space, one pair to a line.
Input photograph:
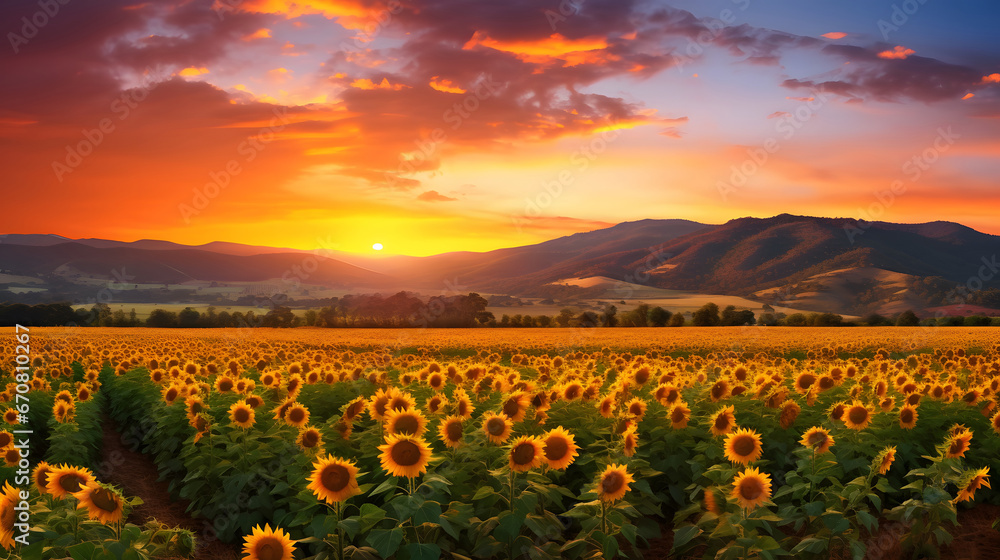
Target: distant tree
[118,318]
[310,317]
[676,320]
[767,308]
[505,320]
[732,317]
[515,321]
[825,320]
[875,320]
[657,317]
[161,319]
[101,315]
[706,316]
[951,321]
[796,320]
[637,317]
[977,321]
[543,321]
[224,319]
[767,319]
[188,318]
[133,319]
[588,319]
[565,317]
[609,316]
[907,319]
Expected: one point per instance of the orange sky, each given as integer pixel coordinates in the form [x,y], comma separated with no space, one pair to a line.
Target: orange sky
[344,123]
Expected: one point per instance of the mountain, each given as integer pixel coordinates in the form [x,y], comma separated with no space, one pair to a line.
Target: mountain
[175,266]
[821,264]
[226,248]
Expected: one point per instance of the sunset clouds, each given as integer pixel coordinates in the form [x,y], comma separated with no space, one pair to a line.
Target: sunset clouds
[436,125]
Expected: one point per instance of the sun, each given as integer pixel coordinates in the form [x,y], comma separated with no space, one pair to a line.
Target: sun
[377,246]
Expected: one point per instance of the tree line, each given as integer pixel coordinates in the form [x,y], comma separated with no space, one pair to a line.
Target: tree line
[407,310]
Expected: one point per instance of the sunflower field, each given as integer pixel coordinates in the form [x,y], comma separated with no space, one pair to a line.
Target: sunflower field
[724,443]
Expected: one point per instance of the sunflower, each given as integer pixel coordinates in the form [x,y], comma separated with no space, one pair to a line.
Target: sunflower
[280,410]
[354,408]
[171,393]
[751,488]
[41,476]
[194,406]
[723,421]
[9,498]
[268,545]
[497,427]
[451,431]
[242,415]
[837,412]
[225,384]
[719,391]
[804,382]
[11,456]
[789,412]
[6,438]
[297,415]
[334,480]
[516,406]
[996,422]
[63,411]
[64,480]
[679,415]
[254,401]
[907,417]
[974,481]
[818,439]
[606,406]
[202,425]
[630,440]
[309,439]
[958,444]
[83,394]
[463,404]
[436,404]
[743,446]
[636,408]
[103,503]
[885,459]
[613,483]
[406,422]
[560,448]
[400,400]
[857,416]
[404,455]
[526,453]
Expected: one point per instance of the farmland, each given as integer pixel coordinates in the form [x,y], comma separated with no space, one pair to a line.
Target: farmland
[729,442]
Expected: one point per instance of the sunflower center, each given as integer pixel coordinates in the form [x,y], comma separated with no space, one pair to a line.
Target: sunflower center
[677,415]
[380,405]
[635,409]
[104,499]
[400,404]
[721,422]
[7,519]
[906,416]
[405,453]
[511,408]
[955,448]
[816,438]
[335,478]
[495,426]
[268,549]
[523,454]
[751,489]
[556,448]
[42,477]
[838,413]
[71,482]
[572,392]
[171,394]
[744,445]
[858,415]
[672,395]
[612,482]
[310,438]
[241,415]
[5,439]
[718,390]
[196,407]
[296,415]
[806,380]
[267,380]
[225,385]
[407,425]
[454,431]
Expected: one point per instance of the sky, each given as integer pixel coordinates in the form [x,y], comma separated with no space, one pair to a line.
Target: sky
[450,125]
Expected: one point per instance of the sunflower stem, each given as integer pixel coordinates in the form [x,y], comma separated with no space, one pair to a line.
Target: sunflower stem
[340,532]
[604,517]
[813,474]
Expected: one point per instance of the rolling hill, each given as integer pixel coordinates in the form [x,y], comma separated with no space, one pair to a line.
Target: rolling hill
[821,264]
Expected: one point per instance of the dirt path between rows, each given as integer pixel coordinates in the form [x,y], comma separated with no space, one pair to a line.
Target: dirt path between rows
[137,475]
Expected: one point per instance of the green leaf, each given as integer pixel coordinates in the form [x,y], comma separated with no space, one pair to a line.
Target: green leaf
[628,531]
[836,523]
[385,541]
[82,551]
[767,543]
[868,520]
[422,551]
[389,485]
[509,525]
[483,492]
[684,535]
[814,509]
